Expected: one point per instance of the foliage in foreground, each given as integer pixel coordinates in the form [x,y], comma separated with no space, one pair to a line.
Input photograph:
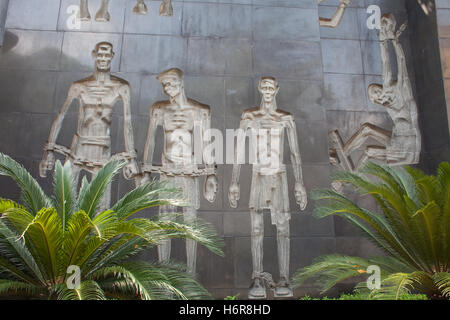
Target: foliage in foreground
[413,229]
[43,236]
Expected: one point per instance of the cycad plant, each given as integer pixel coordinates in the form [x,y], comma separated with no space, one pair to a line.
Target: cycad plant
[44,237]
[412,227]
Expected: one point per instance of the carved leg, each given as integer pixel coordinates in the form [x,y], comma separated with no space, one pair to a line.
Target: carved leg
[165,245]
[190,214]
[84,14]
[367,131]
[337,155]
[140,8]
[283,288]
[257,289]
[372,152]
[103,14]
[166,8]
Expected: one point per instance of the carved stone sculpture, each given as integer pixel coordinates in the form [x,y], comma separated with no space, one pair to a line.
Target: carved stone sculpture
[91,145]
[180,117]
[402,145]
[269,188]
[140,8]
[337,17]
[102,14]
[166,8]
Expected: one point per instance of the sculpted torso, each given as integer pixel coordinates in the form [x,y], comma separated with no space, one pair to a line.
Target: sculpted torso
[399,109]
[178,124]
[270,137]
[97,99]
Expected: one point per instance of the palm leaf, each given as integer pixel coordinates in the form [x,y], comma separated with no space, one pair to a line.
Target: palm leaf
[150,282]
[146,196]
[17,289]
[442,280]
[44,231]
[14,249]
[89,290]
[33,196]
[64,199]
[93,192]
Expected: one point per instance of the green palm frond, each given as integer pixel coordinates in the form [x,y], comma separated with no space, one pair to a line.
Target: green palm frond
[78,228]
[6,204]
[442,280]
[150,282]
[329,270]
[398,284]
[33,196]
[149,195]
[64,198]
[157,230]
[412,228]
[92,193]
[153,232]
[88,290]
[44,231]
[13,248]
[17,289]
[40,240]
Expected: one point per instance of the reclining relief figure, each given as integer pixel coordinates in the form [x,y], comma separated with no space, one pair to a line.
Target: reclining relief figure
[401,146]
[91,145]
[269,187]
[185,123]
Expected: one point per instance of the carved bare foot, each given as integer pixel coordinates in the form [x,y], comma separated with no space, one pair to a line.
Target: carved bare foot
[103,14]
[166,8]
[257,290]
[84,14]
[140,8]
[283,289]
[337,186]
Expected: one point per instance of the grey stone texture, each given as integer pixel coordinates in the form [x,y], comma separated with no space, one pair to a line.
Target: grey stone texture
[224,46]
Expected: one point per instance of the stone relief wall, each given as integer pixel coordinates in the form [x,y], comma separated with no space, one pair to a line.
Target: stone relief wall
[223,47]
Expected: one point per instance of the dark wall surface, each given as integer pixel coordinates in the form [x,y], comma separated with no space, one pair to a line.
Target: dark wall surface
[223,46]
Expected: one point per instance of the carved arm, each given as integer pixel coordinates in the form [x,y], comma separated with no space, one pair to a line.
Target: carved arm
[337,17]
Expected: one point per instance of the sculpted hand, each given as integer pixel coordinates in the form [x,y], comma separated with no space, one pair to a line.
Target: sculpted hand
[234,194]
[387,31]
[130,170]
[300,196]
[345,2]
[210,188]
[47,163]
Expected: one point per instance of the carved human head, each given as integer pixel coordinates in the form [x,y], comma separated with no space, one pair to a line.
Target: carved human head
[268,87]
[172,81]
[377,94]
[103,55]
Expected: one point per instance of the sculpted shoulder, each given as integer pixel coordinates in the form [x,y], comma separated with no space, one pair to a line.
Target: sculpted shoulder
[284,115]
[158,107]
[120,81]
[249,113]
[200,107]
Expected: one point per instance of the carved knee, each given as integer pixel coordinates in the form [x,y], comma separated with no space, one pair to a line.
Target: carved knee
[366,128]
[257,230]
[283,229]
